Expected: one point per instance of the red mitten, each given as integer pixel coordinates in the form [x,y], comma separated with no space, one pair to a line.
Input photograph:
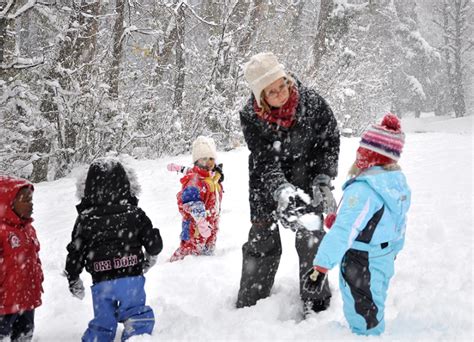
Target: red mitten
[329,220]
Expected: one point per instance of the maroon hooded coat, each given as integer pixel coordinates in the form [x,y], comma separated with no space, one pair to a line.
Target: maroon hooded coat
[20,267]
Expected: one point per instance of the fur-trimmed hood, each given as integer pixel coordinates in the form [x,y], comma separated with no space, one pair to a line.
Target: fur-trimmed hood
[108,180]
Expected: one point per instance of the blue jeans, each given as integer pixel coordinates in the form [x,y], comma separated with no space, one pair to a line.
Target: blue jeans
[119,300]
[18,326]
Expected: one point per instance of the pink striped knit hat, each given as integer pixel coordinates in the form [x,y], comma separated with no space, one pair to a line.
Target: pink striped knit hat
[386,139]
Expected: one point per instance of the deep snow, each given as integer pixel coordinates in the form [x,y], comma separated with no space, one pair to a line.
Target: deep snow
[430,297]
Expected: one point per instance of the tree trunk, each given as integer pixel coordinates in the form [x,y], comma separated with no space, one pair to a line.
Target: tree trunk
[447,54]
[180,58]
[459,104]
[295,23]
[249,34]
[223,62]
[165,55]
[41,146]
[8,36]
[117,50]
[320,48]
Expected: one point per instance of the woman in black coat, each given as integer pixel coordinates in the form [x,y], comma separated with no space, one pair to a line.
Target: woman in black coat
[293,140]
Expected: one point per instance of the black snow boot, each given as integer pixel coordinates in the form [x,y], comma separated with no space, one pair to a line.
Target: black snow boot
[315,306]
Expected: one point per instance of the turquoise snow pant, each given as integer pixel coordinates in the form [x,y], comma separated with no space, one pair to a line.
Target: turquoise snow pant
[365,275]
[119,300]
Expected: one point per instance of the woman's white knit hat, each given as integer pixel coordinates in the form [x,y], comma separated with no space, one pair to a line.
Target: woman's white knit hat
[204,147]
[262,70]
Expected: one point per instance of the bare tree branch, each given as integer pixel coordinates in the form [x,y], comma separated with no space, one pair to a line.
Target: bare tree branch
[21,64]
[26,7]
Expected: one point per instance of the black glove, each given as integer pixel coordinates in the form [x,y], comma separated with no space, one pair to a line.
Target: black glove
[218,168]
[314,281]
[150,261]
[290,206]
[289,217]
[76,287]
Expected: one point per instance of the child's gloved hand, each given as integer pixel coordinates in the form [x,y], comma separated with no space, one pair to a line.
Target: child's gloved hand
[329,220]
[204,228]
[219,168]
[150,261]
[314,280]
[76,287]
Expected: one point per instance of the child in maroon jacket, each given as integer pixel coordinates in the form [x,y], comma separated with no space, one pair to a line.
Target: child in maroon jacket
[20,267]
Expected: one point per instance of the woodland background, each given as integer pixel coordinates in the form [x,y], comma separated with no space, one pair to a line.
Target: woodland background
[81,78]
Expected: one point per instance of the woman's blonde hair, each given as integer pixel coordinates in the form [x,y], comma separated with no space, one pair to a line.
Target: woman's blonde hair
[265,106]
[354,171]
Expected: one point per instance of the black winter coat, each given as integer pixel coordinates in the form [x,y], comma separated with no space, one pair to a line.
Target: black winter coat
[110,230]
[295,155]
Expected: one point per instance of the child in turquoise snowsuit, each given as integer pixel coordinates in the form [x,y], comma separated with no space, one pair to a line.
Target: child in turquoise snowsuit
[369,229]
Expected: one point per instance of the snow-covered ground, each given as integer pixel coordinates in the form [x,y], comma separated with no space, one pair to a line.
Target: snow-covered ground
[430,297]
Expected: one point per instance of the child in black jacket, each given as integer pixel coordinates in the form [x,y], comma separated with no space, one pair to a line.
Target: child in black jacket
[108,240]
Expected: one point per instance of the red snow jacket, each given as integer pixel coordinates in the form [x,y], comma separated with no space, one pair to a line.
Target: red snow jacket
[20,267]
[198,185]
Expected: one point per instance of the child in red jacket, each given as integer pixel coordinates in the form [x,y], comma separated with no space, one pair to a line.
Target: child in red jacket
[199,202]
[20,267]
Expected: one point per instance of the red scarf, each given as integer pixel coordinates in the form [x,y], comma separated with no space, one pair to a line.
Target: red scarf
[283,116]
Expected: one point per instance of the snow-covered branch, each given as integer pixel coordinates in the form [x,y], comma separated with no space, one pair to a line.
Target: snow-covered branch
[23,63]
[146,31]
[197,16]
[6,8]
[343,7]
[26,7]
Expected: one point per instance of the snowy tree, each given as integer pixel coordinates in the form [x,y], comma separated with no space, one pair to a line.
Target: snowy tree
[17,117]
[375,60]
[68,76]
[416,86]
[453,18]
[85,77]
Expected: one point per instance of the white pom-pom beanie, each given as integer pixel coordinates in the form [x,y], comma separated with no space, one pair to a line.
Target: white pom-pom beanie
[262,70]
[204,147]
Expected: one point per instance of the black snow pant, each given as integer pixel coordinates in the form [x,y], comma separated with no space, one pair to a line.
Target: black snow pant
[19,327]
[261,258]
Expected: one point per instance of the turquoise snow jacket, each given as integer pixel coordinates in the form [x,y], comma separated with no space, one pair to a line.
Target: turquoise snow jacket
[364,196]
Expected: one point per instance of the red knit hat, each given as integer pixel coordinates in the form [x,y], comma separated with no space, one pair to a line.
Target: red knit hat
[381,144]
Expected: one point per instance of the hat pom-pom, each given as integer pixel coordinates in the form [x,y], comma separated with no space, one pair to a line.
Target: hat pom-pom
[329,220]
[391,122]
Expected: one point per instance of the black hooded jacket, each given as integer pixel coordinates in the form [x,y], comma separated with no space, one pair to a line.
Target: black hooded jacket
[110,229]
[295,155]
